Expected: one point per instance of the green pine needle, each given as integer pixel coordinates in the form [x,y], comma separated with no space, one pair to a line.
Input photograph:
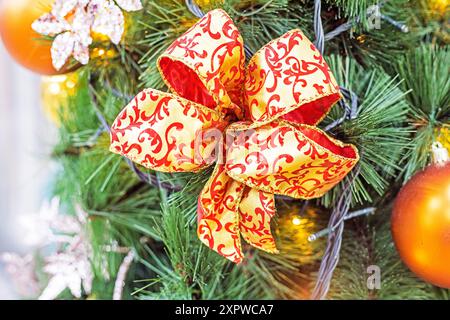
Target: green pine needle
[379,131]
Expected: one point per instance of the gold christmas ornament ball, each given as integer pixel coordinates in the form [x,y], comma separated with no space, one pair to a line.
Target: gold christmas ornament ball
[439,6]
[55,92]
[421,224]
[27,47]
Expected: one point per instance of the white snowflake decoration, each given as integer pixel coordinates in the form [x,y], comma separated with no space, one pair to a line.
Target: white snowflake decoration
[72,21]
[67,253]
[69,269]
[69,266]
[49,226]
[22,272]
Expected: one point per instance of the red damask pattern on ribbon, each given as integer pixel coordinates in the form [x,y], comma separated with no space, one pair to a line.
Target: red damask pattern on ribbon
[265,114]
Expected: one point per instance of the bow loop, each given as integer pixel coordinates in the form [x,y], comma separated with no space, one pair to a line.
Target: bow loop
[206,64]
[289,79]
[159,131]
[295,160]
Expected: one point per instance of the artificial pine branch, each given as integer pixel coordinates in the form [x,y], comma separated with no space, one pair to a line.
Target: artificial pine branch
[260,21]
[379,131]
[371,40]
[353,8]
[425,74]
[369,243]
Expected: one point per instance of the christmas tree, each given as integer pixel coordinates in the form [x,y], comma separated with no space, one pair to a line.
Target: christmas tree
[131,225]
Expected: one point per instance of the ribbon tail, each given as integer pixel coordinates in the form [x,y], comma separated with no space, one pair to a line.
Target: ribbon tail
[218,216]
[256,211]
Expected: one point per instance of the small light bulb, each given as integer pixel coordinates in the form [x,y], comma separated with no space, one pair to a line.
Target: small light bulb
[110,53]
[296,221]
[54,88]
[70,84]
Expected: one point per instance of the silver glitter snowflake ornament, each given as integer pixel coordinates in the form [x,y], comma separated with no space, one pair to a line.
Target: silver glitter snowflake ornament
[72,21]
[21,270]
[64,244]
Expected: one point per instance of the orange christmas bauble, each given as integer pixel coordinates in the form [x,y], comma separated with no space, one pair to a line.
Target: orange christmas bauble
[421,224]
[25,45]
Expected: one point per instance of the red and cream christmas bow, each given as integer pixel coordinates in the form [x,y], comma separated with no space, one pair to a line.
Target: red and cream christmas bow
[266,113]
